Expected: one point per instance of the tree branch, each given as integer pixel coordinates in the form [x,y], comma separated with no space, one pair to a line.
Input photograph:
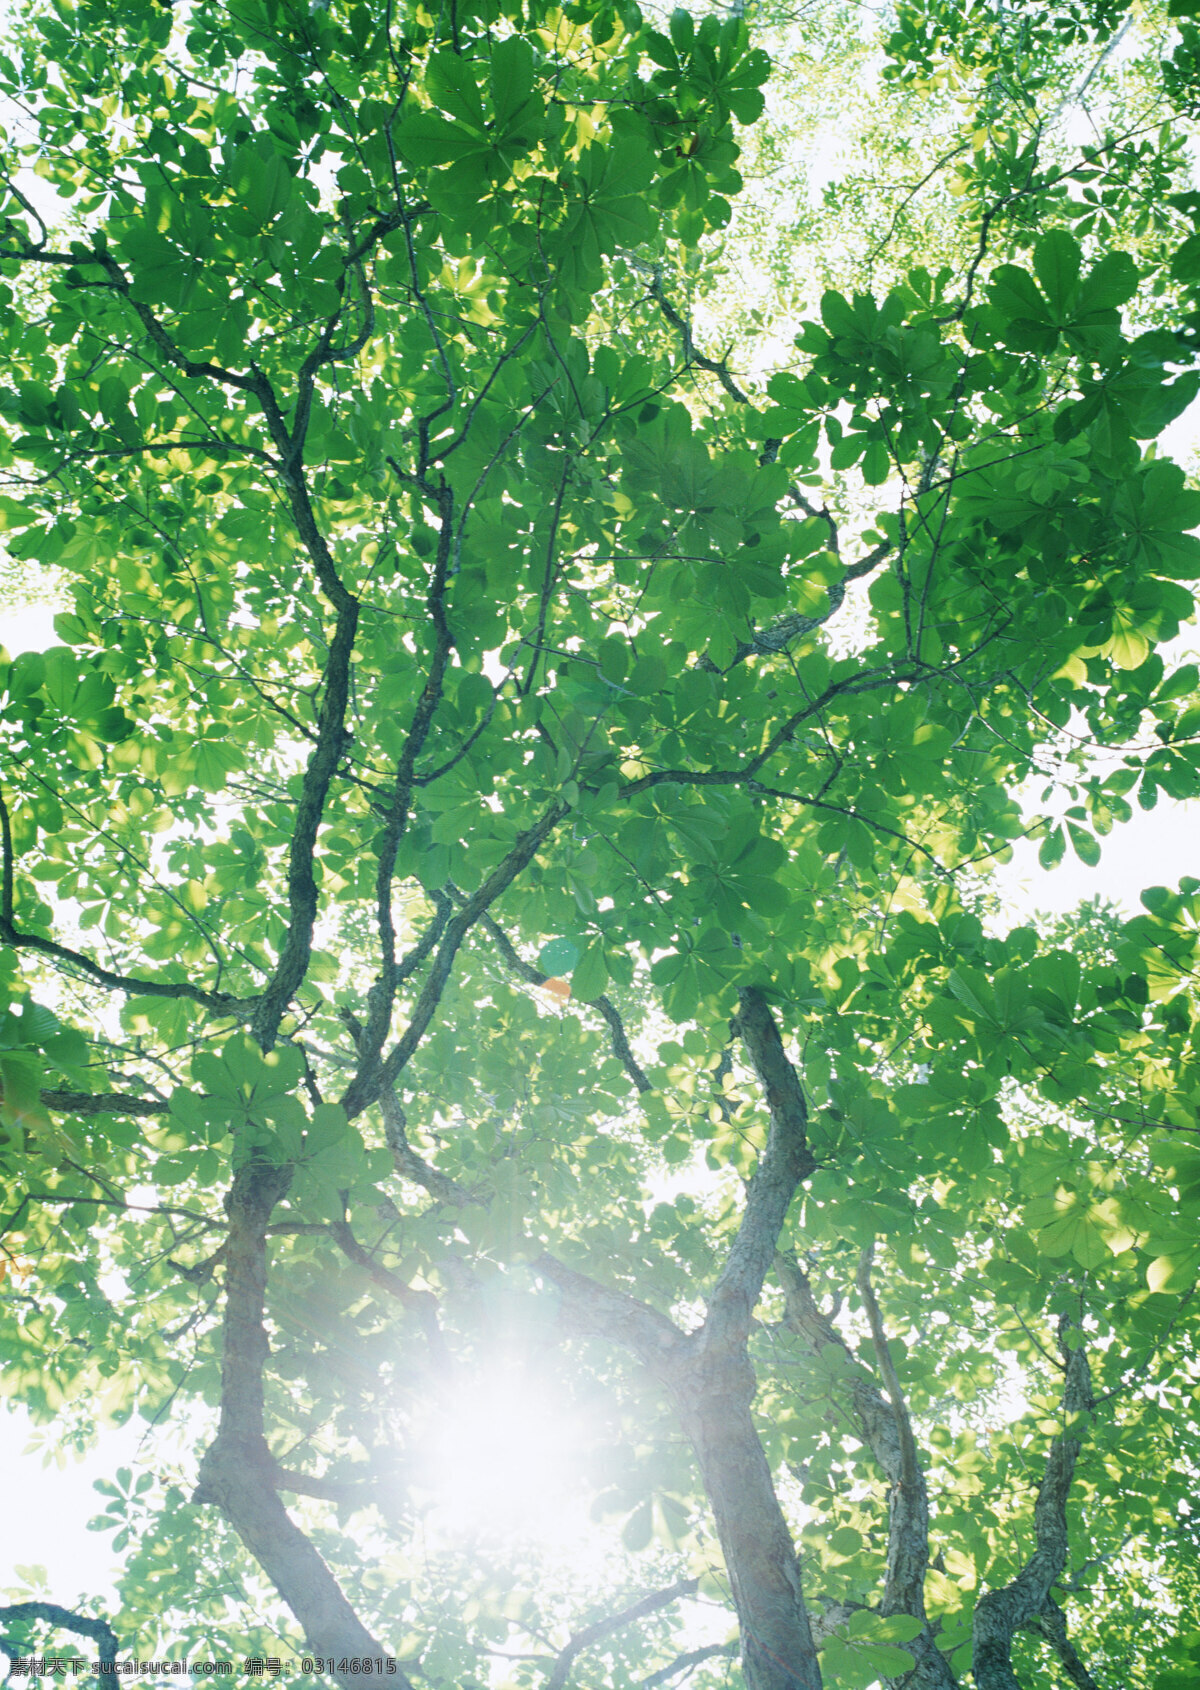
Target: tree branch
[601,1629]
[680,324]
[908,1533]
[999,1613]
[221,1003]
[685,1663]
[534,976]
[65,1619]
[886,1430]
[422,1303]
[319,771]
[785,1161]
[409,1164]
[792,626]
[239,1474]
[381,998]
[1051,1625]
[373,1076]
[712,1388]
[104,1103]
[589,1309]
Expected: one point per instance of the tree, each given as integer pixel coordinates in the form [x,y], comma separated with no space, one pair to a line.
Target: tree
[517,791]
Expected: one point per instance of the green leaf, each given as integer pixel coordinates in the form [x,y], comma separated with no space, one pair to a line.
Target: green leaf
[1087,846]
[1053,848]
[1110,283]
[590,976]
[1014,292]
[450,81]
[512,79]
[876,464]
[1056,262]
[558,956]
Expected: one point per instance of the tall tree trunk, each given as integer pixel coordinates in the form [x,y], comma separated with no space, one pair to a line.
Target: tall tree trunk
[713,1402]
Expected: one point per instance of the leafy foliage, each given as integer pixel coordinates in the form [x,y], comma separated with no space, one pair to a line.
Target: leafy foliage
[494,871]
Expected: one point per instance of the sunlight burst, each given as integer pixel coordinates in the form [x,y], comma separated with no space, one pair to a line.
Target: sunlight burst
[504,1456]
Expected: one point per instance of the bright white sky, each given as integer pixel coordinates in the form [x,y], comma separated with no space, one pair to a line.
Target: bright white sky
[48,1509]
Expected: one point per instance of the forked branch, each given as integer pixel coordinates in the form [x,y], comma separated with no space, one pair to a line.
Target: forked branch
[239,1474]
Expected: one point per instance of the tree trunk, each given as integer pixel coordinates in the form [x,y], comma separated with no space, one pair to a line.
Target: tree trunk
[713,1398]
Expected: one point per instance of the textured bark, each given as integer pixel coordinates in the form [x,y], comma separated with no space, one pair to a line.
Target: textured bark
[711,1390]
[238,1473]
[784,1162]
[710,1381]
[1051,1624]
[713,1402]
[887,1431]
[999,1614]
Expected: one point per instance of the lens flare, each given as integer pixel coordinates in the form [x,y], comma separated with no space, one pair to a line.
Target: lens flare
[503,1456]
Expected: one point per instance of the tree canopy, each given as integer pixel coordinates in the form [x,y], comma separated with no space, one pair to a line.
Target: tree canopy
[495,917]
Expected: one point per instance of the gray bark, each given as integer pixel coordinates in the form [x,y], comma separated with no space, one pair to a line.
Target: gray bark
[887,1431]
[999,1614]
[1051,1625]
[239,1474]
[709,1379]
[713,1402]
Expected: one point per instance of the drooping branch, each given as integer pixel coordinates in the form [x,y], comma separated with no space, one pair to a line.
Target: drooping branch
[999,1613]
[200,1273]
[612,1015]
[785,1161]
[65,1619]
[600,1629]
[222,1003]
[239,1474]
[870,680]
[330,743]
